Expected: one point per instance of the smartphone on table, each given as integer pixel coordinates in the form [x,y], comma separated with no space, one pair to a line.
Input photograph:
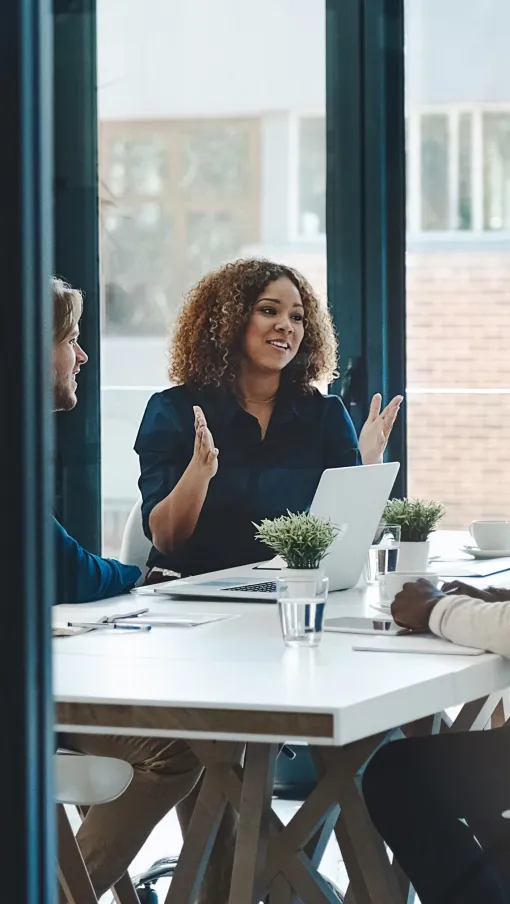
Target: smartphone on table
[346,625]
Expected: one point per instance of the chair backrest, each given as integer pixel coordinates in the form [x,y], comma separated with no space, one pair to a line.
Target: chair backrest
[135,546]
[87,780]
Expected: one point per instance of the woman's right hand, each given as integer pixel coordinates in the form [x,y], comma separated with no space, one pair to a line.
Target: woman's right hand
[205,454]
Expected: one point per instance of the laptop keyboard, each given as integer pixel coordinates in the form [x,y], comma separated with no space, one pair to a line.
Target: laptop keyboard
[267,587]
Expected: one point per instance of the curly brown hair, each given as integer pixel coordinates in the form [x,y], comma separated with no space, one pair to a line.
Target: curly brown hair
[207,344]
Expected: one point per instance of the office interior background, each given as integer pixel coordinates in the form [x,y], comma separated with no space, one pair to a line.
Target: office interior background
[212,145]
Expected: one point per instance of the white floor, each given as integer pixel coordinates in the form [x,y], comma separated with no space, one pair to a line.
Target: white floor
[165,841]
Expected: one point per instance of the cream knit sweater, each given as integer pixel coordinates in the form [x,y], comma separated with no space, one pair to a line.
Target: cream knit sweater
[473,623]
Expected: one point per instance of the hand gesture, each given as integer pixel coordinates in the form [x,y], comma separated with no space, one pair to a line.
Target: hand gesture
[375,434]
[205,454]
[413,606]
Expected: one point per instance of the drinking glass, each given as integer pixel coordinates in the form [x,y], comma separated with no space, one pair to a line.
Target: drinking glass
[301,604]
[383,554]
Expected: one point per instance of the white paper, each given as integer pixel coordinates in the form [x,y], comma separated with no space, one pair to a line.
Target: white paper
[424,643]
[275,564]
[189,620]
[468,568]
[66,631]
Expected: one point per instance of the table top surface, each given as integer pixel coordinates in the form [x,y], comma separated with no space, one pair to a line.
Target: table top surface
[241,665]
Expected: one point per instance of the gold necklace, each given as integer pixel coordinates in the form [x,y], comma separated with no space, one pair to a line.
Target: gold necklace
[256,401]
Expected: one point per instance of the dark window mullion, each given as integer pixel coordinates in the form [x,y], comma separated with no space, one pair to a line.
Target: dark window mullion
[344,207]
[365,201]
[78,463]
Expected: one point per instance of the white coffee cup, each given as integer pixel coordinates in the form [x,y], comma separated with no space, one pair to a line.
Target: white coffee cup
[393,582]
[491,534]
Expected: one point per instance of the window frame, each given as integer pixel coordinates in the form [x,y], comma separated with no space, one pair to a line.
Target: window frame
[365,205]
[76,239]
[29,845]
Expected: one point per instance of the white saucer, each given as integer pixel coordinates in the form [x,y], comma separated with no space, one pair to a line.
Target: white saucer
[486,553]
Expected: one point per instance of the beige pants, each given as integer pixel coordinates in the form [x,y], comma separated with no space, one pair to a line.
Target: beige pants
[165,772]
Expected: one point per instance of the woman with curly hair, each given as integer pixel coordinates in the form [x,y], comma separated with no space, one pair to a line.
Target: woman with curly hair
[245,434]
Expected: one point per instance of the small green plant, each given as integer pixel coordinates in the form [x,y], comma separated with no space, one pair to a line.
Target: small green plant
[417,518]
[302,540]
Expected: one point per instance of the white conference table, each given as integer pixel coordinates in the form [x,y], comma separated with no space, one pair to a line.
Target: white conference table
[234,682]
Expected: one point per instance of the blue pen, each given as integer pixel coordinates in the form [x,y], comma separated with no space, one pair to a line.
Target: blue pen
[96,626]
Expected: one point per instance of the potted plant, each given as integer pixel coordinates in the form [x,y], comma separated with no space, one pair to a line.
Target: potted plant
[303,542]
[417,519]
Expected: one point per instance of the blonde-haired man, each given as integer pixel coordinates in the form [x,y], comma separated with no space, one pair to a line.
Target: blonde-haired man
[81,576]
[165,771]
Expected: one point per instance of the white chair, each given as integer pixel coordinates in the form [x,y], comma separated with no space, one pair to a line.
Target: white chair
[83,781]
[135,546]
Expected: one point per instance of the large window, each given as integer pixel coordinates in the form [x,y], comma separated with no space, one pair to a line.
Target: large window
[461,157]
[212,146]
[179,197]
[458,281]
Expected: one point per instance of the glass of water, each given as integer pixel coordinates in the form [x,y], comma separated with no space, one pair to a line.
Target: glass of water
[301,604]
[383,554]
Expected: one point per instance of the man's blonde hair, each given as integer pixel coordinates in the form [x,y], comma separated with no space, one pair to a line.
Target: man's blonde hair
[67,308]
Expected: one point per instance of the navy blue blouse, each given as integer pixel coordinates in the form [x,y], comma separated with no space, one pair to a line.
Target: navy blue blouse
[256,478]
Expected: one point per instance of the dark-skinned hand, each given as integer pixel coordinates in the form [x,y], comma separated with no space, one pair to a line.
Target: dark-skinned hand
[413,606]
[489,595]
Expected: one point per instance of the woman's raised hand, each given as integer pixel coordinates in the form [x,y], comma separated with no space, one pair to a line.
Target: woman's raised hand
[205,453]
[376,430]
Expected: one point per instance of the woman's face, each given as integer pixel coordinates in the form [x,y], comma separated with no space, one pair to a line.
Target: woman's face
[276,327]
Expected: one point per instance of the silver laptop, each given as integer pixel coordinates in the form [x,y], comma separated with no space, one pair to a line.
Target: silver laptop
[352,498]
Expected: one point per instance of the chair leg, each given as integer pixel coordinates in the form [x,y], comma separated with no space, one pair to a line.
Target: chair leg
[72,874]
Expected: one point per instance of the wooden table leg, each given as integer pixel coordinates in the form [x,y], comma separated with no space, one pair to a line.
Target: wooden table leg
[280,891]
[280,861]
[203,828]
[254,823]
[73,877]
[370,873]
[124,891]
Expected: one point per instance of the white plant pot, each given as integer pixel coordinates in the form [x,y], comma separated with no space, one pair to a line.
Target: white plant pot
[413,557]
[301,582]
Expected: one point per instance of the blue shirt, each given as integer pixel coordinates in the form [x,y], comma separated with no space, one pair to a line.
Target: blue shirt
[256,479]
[85,578]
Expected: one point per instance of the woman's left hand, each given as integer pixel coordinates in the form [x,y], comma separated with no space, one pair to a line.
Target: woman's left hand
[375,434]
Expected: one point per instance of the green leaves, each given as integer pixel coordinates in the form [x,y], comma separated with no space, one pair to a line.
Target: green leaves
[417,518]
[302,540]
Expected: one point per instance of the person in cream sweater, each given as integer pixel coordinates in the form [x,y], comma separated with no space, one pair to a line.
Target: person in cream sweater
[457,612]
[442,803]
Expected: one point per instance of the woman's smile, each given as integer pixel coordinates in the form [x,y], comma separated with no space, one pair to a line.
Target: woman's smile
[280,345]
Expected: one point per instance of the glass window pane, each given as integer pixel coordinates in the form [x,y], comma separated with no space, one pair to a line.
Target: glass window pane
[312,176]
[202,160]
[496,150]
[464,213]
[216,160]
[458,285]
[434,172]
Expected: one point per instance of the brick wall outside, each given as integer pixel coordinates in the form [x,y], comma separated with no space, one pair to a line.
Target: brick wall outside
[458,328]
[458,337]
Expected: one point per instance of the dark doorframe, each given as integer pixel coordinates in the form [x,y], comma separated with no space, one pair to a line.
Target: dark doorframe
[27,850]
